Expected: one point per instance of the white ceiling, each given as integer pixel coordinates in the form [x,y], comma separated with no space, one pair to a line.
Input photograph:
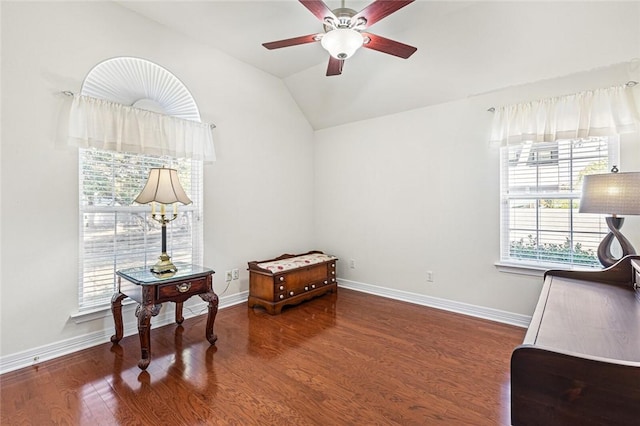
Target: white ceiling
[464,48]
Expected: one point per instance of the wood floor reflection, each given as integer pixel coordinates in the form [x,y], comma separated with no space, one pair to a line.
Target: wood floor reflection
[345,359]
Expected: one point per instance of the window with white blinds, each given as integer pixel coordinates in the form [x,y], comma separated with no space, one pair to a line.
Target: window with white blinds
[115,234]
[541,185]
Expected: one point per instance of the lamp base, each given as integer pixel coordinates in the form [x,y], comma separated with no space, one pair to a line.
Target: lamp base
[164,267]
[604,249]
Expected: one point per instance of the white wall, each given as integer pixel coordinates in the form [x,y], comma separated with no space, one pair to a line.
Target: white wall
[391,193]
[419,191]
[263,141]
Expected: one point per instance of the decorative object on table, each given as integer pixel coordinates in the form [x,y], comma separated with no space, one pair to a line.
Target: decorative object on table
[343,32]
[616,194]
[163,187]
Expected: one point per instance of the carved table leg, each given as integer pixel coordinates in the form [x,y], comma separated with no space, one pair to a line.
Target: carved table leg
[144,314]
[116,310]
[179,317]
[212,298]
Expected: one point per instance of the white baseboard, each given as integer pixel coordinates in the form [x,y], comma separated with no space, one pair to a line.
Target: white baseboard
[435,302]
[54,350]
[64,347]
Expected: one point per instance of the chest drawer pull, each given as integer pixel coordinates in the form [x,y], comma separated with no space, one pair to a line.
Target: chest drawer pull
[184,287]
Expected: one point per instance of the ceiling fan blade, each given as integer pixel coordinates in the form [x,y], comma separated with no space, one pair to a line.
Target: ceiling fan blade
[291,41]
[389,46]
[379,9]
[335,66]
[319,9]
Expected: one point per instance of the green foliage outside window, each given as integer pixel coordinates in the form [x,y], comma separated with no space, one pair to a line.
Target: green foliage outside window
[550,252]
[562,203]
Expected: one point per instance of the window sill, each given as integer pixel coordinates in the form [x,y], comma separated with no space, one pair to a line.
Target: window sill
[534,269]
[97,312]
[521,268]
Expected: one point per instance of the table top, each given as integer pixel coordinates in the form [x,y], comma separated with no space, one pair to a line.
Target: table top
[591,318]
[144,276]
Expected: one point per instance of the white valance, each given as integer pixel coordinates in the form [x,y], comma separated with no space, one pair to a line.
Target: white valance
[602,112]
[102,124]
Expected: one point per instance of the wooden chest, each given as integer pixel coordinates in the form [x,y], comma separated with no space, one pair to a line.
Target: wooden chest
[290,279]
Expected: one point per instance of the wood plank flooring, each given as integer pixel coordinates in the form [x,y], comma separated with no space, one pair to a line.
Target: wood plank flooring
[345,359]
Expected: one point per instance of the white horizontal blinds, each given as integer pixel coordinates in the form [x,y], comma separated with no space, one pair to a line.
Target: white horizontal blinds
[115,234]
[541,186]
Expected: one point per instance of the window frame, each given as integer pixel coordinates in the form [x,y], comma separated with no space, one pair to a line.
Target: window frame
[188,231]
[510,158]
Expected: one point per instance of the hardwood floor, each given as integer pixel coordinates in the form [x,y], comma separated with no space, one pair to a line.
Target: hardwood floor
[345,359]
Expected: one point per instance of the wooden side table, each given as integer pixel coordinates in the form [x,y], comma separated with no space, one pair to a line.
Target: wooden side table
[150,291]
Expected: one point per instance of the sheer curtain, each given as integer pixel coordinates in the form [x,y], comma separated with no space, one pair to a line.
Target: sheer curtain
[101,124]
[602,112]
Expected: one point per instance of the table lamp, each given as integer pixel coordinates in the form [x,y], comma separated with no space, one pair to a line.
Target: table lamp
[163,187]
[616,194]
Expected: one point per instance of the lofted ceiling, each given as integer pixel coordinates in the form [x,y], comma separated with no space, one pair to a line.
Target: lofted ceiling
[464,48]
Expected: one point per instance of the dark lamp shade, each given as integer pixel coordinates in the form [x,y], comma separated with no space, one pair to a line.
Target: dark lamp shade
[611,193]
[163,187]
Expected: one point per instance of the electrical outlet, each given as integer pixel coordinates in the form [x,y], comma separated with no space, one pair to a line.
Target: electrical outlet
[235,273]
[430,276]
[228,276]
[352,264]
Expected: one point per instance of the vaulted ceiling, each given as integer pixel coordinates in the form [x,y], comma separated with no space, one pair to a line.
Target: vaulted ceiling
[464,48]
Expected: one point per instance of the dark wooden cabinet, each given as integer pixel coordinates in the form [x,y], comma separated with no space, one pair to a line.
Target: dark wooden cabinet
[290,279]
[579,363]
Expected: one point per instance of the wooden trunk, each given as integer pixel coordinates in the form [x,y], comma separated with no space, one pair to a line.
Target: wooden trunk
[274,288]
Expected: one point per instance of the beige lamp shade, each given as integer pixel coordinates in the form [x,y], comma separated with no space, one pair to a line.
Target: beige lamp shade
[612,193]
[163,187]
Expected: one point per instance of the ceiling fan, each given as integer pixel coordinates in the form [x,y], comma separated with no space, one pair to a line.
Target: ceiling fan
[343,32]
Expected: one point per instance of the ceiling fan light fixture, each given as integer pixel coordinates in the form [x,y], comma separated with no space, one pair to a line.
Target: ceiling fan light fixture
[342,43]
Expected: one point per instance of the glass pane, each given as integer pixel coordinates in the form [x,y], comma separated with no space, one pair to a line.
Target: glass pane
[98,233]
[554,215]
[586,248]
[523,245]
[541,185]
[116,233]
[554,247]
[545,233]
[523,215]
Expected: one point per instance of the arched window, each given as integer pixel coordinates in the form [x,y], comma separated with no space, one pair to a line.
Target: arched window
[130,116]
